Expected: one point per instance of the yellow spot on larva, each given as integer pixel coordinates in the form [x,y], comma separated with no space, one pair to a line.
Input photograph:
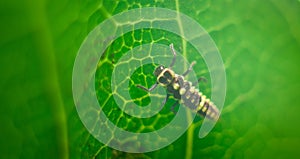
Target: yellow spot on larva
[203,99]
[188,96]
[182,91]
[200,94]
[204,109]
[176,86]
[160,75]
[192,90]
[213,115]
[193,100]
[199,107]
[208,112]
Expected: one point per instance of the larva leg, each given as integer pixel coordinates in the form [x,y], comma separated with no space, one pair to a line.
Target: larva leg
[173,106]
[200,80]
[190,69]
[174,56]
[146,89]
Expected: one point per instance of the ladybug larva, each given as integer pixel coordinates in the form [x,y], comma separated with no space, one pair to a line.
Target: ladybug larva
[182,90]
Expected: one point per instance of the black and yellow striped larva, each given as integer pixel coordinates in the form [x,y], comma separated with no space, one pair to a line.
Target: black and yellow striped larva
[182,90]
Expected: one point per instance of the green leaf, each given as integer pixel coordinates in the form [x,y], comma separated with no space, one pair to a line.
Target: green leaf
[259,42]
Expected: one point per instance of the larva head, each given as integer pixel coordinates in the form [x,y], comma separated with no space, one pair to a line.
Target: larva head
[158,70]
[165,76]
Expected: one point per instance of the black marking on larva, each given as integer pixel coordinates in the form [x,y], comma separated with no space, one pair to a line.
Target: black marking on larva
[191,97]
[167,75]
[187,94]
[213,111]
[200,99]
[206,105]
[180,80]
[170,88]
[163,80]
[158,70]
[196,99]
[175,92]
[187,85]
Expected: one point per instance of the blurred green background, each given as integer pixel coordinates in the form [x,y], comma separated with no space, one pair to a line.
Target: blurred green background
[259,42]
